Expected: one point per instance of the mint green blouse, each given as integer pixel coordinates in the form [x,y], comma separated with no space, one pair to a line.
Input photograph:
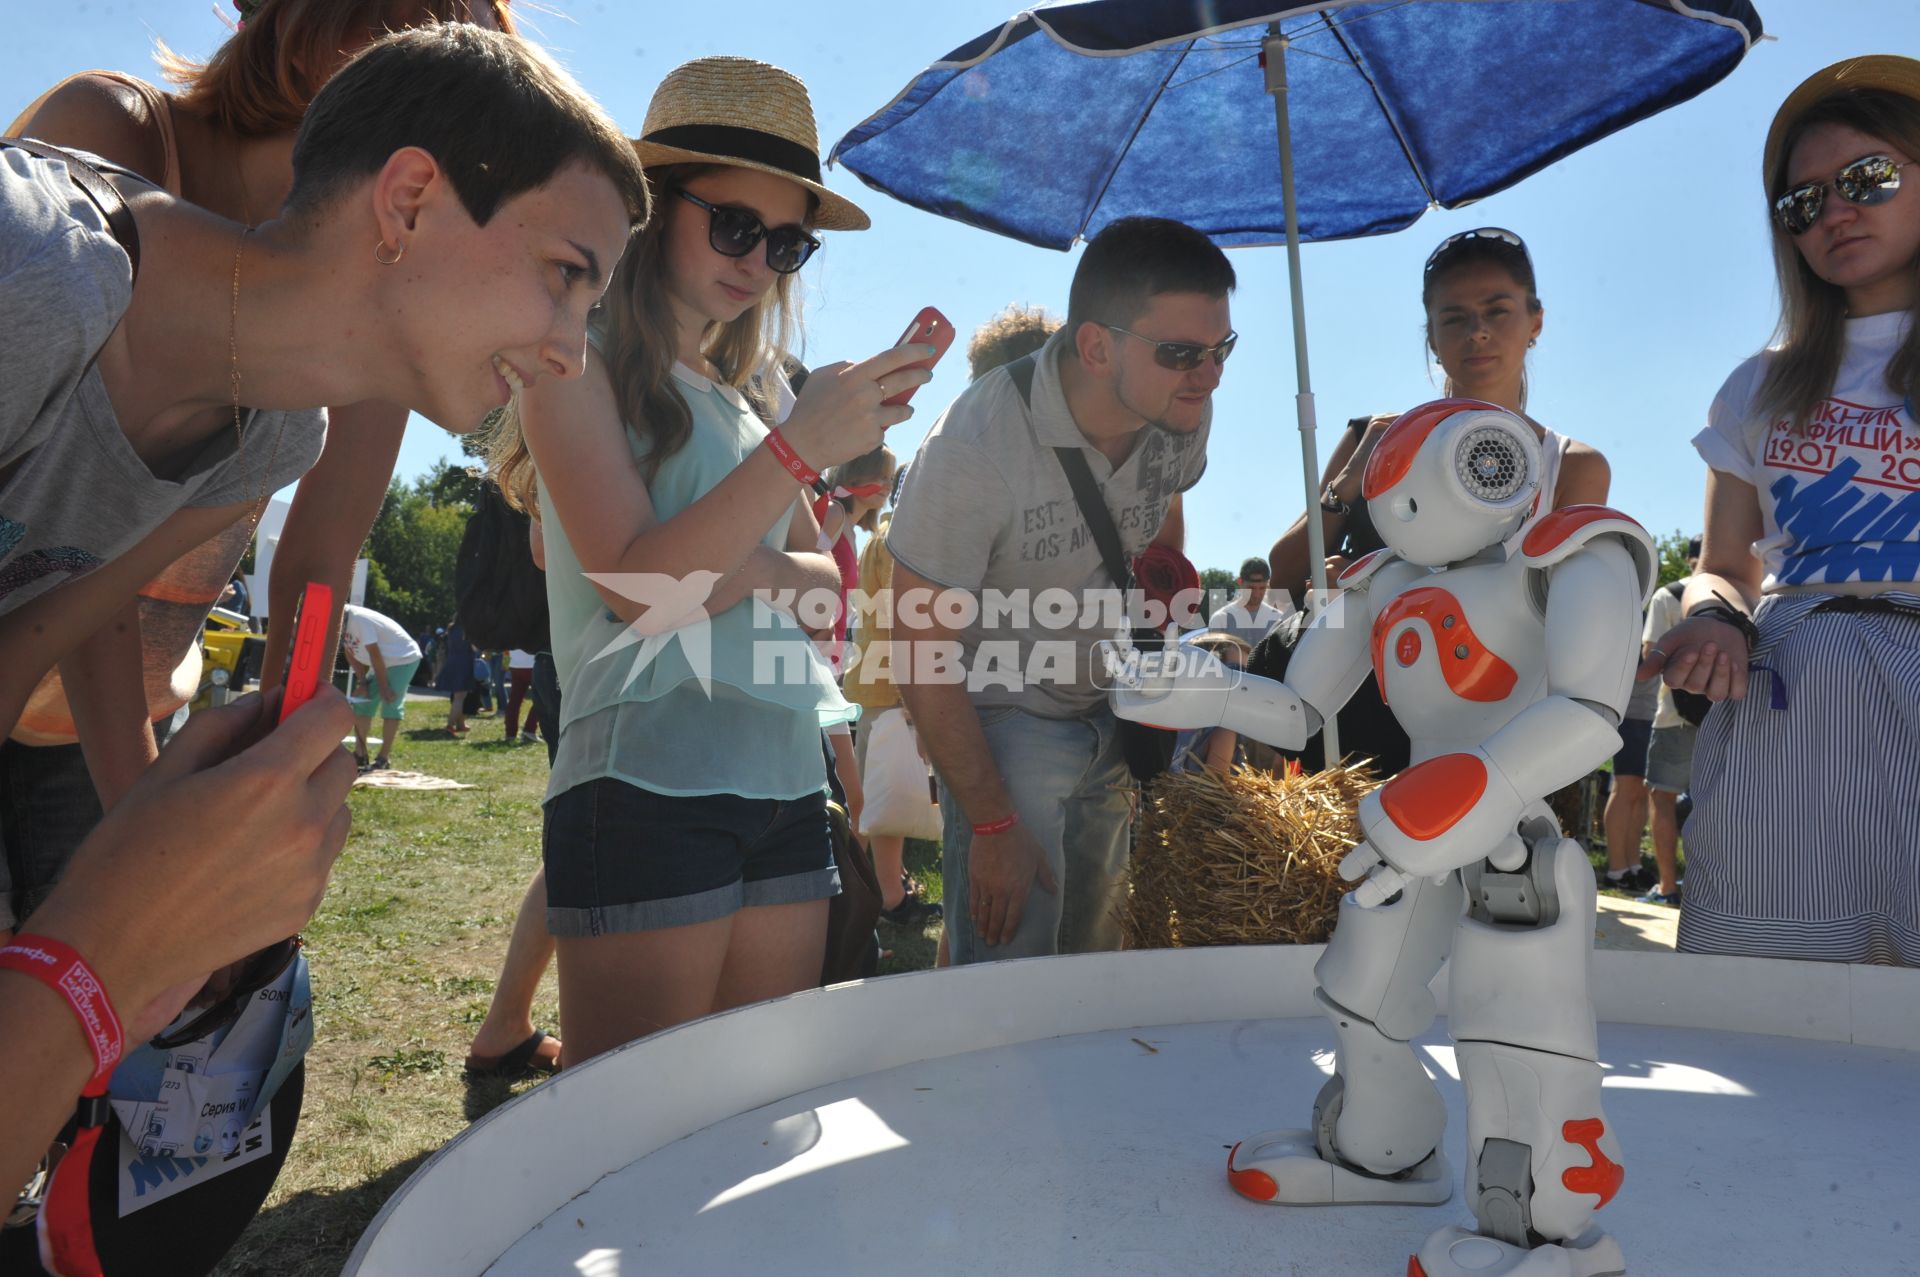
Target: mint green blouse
[729,704]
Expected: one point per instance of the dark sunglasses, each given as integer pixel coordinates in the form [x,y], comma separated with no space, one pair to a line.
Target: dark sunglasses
[1182,356]
[734,231]
[262,969]
[1870,180]
[1498,234]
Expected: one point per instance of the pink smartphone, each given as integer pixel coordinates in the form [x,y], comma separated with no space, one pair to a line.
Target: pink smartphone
[307,663]
[933,328]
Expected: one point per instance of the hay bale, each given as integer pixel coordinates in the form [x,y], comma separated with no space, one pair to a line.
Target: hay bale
[1249,858]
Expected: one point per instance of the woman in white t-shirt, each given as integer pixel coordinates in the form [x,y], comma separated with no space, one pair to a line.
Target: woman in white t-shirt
[384,657]
[1804,620]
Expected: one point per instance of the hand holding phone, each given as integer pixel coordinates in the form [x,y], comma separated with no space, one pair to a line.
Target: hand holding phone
[306,662]
[932,328]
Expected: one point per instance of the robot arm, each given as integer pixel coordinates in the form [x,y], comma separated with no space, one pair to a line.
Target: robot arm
[1185,688]
[1452,810]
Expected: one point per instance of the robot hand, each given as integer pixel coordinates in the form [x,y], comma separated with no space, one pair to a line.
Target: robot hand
[1439,815]
[1178,687]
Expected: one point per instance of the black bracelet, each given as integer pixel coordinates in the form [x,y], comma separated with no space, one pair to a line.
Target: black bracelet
[1728,614]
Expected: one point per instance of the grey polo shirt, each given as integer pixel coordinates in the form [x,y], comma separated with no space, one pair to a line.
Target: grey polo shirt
[987,508]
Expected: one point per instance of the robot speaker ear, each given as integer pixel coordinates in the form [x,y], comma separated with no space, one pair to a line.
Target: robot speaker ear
[1494,464]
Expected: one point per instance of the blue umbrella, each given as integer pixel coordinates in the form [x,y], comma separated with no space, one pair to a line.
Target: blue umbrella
[1075,114]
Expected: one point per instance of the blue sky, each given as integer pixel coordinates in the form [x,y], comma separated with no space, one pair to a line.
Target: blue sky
[1650,246]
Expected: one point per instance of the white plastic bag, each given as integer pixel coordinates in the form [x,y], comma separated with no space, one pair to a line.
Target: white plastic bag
[899,802]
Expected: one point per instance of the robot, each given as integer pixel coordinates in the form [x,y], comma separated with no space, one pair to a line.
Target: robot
[1508,660]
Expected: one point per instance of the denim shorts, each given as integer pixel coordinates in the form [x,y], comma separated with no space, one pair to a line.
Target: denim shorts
[621,858]
[1670,758]
[1631,758]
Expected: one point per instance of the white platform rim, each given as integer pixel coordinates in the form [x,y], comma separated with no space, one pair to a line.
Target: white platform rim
[524,1160]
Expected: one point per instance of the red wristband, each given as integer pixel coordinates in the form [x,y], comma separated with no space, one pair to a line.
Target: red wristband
[62,969]
[789,459]
[999,826]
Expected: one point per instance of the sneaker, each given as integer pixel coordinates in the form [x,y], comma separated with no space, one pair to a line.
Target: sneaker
[379,765]
[1658,897]
[529,738]
[1635,880]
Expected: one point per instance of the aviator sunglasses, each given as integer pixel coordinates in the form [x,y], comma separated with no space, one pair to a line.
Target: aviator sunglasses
[733,232]
[1872,179]
[1182,356]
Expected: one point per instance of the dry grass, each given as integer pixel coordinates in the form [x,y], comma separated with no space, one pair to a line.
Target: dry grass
[1243,859]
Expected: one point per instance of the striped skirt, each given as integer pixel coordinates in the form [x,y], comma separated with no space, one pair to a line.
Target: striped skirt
[1804,840]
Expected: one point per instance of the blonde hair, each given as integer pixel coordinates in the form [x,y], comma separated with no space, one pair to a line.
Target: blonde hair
[868,467]
[1812,333]
[260,81]
[1016,331]
[636,329]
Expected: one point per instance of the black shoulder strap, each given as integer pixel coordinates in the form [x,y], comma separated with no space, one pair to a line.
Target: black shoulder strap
[96,188]
[1093,508]
[1677,588]
[1086,493]
[1021,370]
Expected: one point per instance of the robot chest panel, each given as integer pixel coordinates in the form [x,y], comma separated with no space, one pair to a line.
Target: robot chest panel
[1463,644]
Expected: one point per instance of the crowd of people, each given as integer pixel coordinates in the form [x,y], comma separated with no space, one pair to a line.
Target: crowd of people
[203,272]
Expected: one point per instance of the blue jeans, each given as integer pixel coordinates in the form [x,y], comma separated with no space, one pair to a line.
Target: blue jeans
[1070,785]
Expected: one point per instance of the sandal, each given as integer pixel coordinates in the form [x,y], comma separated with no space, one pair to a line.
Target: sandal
[529,1059]
[914,912]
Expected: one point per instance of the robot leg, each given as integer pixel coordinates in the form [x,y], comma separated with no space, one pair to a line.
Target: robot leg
[1541,1156]
[1378,1121]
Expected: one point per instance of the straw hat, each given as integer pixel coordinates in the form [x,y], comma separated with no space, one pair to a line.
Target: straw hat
[748,114]
[1876,71]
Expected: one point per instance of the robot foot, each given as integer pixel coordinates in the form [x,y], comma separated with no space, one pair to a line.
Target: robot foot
[1286,1169]
[1456,1252]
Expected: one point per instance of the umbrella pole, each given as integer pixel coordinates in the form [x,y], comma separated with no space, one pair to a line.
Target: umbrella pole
[1273,56]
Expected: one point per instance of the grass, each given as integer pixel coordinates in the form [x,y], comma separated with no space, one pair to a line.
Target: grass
[404,953]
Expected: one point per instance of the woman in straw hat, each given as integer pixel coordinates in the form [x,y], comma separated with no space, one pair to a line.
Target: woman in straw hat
[687,850]
[1804,618]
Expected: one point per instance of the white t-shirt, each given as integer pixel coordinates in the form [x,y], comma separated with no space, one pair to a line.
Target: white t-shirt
[1840,501]
[361,628]
[1251,626]
[519,660]
[1663,613]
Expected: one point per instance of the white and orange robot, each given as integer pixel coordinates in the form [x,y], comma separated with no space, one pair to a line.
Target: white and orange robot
[1509,665]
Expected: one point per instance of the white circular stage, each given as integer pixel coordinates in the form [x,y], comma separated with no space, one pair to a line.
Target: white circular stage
[1073,1115]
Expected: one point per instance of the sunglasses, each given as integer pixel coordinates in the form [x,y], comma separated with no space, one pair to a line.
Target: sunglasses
[1498,234]
[1182,356]
[733,232]
[1870,180]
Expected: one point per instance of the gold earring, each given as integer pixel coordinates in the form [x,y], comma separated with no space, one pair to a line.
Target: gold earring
[399,250]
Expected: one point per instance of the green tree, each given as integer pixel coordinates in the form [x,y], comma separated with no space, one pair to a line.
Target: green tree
[1672,549]
[411,549]
[1217,579]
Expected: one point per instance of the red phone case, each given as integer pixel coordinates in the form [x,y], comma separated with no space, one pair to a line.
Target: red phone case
[306,662]
[936,330]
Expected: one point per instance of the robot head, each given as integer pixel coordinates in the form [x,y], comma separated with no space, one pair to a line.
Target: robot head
[1450,478]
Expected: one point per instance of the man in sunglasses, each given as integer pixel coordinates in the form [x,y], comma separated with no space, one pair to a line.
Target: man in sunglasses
[1003,590]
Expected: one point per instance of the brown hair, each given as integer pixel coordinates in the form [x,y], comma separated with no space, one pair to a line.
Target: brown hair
[498,115]
[262,79]
[1016,331]
[636,330]
[1812,334]
[877,466]
[1472,252]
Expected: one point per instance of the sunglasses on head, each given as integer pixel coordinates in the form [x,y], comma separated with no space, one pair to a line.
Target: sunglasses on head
[1872,179]
[1182,356]
[1495,233]
[733,232]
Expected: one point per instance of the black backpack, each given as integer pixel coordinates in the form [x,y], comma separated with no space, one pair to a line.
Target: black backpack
[501,597]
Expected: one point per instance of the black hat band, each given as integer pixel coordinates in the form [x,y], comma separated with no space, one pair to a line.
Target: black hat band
[741,144]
